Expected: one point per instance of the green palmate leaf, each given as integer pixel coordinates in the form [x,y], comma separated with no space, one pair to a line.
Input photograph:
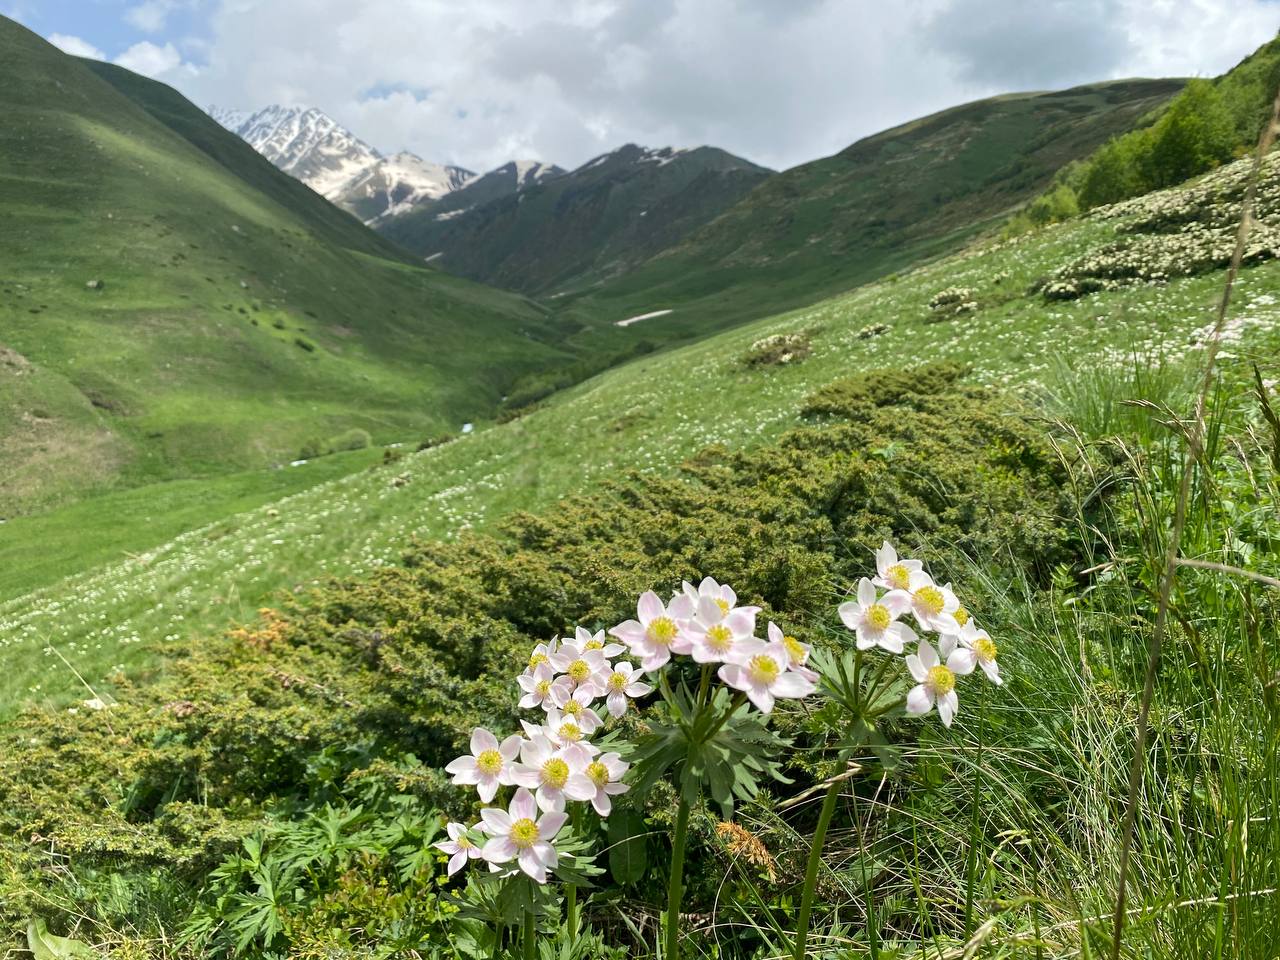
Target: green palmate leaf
[45,946]
[628,847]
[720,749]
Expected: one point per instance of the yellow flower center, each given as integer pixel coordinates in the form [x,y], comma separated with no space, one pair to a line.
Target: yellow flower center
[617,681]
[878,616]
[543,687]
[572,708]
[489,762]
[524,833]
[795,650]
[570,731]
[941,680]
[598,773]
[593,645]
[719,638]
[962,616]
[536,659]
[898,576]
[985,648]
[464,843]
[662,631]
[578,671]
[931,600]
[762,669]
[555,773]
[723,604]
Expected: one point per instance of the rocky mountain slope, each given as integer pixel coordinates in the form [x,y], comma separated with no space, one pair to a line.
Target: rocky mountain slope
[572,230]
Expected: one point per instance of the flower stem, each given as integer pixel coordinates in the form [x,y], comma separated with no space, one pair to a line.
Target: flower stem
[530,936]
[675,889]
[738,701]
[571,911]
[811,869]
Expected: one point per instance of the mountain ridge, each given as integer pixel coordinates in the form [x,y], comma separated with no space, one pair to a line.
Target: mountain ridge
[614,210]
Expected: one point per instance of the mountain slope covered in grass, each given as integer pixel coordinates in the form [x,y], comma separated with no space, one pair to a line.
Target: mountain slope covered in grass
[577,228]
[882,204]
[171,305]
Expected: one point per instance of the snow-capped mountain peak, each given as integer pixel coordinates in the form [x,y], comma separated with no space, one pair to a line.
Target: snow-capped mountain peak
[316,149]
[303,142]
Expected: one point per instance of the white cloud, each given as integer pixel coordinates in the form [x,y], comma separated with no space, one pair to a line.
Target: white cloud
[150,16]
[149,59]
[777,82]
[76,46]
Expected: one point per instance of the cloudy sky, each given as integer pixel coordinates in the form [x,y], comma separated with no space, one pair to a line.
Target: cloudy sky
[478,82]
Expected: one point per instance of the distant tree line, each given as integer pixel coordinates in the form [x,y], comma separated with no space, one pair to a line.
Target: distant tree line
[1210,122]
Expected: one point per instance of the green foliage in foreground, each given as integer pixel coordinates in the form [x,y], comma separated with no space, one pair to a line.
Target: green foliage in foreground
[355,695]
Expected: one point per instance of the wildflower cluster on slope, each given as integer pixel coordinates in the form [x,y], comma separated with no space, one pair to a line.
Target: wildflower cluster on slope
[576,683]
[875,620]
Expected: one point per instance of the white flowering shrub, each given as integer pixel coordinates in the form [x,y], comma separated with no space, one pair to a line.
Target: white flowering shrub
[953,301]
[778,349]
[1177,233]
[547,788]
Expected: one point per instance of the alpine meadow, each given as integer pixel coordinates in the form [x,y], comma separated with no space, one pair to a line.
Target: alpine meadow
[552,482]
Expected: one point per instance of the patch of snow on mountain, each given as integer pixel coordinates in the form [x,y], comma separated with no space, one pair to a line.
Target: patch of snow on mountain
[531,171]
[401,182]
[644,316]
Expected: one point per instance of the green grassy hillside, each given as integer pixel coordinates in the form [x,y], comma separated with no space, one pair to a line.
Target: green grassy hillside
[172,306]
[578,228]
[884,203]
[650,414]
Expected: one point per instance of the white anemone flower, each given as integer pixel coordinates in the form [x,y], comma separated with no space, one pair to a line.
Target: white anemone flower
[564,732]
[542,653]
[623,684]
[586,640]
[582,667]
[935,608]
[984,649]
[875,619]
[760,671]
[537,686]
[713,635]
[459,846]
[935,681]
[895,574]
[797,652]
[488,766]
[659,630]
[604,774]
[578,709]
[719,593]
[553,774]
[515,834]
